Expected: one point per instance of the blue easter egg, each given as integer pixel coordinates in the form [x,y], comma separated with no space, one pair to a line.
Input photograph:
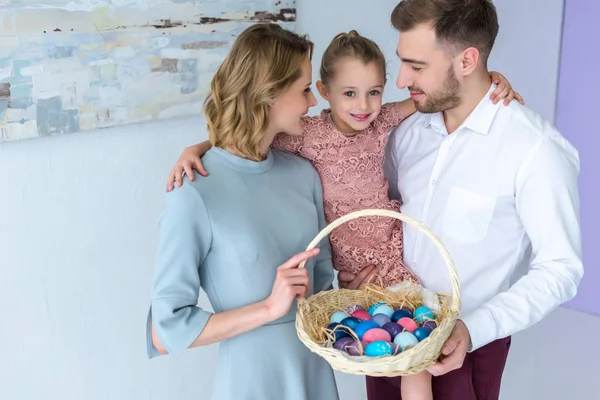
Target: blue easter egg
[399,314]
[381,319]
[338,316]
[365,326]
[423,314]
[421,333]
[378,348]
[406,340]
[351,322]
[340,332]
[384,309]
[373,307]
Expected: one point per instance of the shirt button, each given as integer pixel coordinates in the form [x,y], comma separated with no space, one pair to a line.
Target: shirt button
[433,182]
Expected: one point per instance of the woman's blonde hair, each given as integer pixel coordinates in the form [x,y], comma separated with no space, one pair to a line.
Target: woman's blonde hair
[350,45]
[262,64]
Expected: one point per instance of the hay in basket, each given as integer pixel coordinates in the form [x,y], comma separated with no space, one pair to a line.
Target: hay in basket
[312,318]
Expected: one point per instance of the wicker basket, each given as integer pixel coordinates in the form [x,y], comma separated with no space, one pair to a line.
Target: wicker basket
[313,314]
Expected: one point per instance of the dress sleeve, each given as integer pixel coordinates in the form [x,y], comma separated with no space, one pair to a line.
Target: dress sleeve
[185,238]
[294,144]
[393,113]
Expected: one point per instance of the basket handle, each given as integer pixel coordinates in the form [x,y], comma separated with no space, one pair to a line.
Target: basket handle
[455,305]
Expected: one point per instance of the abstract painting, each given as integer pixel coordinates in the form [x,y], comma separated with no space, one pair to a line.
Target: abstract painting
[76,65]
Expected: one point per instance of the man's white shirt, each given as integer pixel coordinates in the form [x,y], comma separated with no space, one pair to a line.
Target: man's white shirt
[501,193]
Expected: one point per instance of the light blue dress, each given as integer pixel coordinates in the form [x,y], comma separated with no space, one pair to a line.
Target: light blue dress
[227,234]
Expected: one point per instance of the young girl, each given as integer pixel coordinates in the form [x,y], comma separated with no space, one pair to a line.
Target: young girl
[346,144]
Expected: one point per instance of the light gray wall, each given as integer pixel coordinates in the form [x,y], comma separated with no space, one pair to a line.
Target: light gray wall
[78,235]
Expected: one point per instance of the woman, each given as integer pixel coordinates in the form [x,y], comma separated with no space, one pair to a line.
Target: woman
[232,232]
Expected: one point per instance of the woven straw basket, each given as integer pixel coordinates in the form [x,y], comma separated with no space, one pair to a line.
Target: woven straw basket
[313,313]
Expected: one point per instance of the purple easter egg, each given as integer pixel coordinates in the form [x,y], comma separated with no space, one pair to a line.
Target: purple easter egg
[395,349]
[393,329]
[343,342]
[354,349]
[381,319]
[429,325]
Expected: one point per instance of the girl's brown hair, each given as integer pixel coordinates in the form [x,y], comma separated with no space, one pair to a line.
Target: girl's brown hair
[349,45]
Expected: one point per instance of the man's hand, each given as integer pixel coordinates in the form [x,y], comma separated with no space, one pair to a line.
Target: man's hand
[348,280]
[454,350]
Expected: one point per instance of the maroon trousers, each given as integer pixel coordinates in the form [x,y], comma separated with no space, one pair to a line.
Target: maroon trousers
[478,379]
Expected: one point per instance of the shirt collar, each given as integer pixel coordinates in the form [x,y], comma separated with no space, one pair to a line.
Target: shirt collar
[480,120]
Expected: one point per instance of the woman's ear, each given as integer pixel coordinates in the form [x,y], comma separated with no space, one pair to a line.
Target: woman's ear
[322,90]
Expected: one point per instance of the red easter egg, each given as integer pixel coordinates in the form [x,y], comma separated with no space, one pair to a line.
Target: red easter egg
[408,324]
[375,334]
[362,315]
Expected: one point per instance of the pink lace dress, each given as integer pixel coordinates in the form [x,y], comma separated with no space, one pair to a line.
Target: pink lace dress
[351,171]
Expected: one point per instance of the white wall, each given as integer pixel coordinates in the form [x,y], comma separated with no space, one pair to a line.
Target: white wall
[78,234]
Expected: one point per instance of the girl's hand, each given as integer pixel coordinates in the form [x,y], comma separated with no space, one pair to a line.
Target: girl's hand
[189,160]
[503,90]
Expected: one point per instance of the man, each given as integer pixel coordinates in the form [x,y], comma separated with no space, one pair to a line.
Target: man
[498,186]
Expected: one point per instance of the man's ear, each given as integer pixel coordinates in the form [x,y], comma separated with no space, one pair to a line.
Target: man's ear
[469,59]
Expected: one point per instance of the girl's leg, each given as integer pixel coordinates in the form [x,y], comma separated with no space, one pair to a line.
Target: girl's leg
[417,387]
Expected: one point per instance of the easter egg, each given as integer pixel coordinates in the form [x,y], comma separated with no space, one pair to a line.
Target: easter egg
[421,333]
[423,314]
[353,308]
[374,306]
[362,315]
[351,322]
[406,340]
[378,348]
[393,329]
[355,349]
[339,330]
[395,348]
[337,316]
[375,334]
[384,309]
[429,325]
[408,324]
[364,327]
[343,342]
[399,314]
[405,308]
[381,319]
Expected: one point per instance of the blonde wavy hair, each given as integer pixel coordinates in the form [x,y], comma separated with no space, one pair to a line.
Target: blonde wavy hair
[263,62]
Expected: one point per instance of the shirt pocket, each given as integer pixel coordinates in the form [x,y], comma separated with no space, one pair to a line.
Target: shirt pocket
[468,215]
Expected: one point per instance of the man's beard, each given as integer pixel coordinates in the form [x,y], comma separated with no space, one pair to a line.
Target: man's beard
[445,99]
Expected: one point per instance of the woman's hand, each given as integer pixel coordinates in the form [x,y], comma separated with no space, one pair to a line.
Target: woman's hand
[291,283]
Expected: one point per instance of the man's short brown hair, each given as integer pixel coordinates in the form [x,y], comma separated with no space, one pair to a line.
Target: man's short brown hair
[457,23]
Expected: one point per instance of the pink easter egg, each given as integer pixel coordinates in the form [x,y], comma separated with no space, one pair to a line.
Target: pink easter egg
[408,324]
[362,315]
[375,334]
